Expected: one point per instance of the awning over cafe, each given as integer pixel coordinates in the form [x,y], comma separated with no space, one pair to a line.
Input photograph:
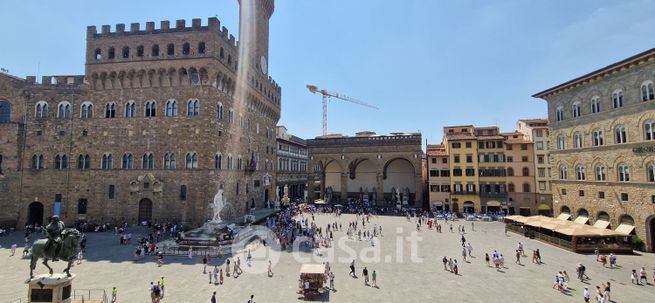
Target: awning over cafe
[564,216]
[625,229]
[493,203]
[581,220]
[602,224]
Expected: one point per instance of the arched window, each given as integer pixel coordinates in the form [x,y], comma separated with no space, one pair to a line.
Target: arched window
[170,49]
[222,53]
[595,104]
[148,161]
[38,162]
[201,48]
[218,161]
[647,92]
[41,110]
[624,172]
[151,109]
[650,174]
[64,110]
[597,135]
[83,162]
[620,136]
[155,50]
[510,187]
[97,54]
[219,111]
[193,107]
[580,172]
[130,109]
[86,110]
[577,140]
[510,172]
[126,52]
[575,109]
[191,161]
[169,161]
[563,174]
[128,161]
[230,164]
[559,113]
[561,142]
[5,112]
[139,51]
[110,110]
[186,48]
[111,53]
[649,130]
[107,161]
[526,187]
[600,173]
[526,172]
[617,98]
[195,77]
[61,162]
[171,108]
[230,116]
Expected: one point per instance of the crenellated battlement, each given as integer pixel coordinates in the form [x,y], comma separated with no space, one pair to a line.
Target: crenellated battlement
[213,25]
[58,80]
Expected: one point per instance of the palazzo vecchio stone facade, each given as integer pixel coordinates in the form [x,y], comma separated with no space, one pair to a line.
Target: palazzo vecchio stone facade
[162,119]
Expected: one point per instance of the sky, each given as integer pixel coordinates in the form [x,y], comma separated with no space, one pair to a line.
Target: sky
[425,64]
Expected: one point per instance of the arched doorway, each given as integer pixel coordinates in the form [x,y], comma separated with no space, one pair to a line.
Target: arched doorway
[399,173]
[469,207]
[602,220]
[650,227]
[145,210]
[493,206]
[362,179]
[35,214]
[565,210]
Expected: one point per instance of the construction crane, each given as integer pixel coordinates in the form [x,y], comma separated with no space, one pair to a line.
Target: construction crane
[326,97]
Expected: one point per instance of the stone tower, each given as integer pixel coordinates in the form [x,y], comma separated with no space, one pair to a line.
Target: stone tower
[253,32]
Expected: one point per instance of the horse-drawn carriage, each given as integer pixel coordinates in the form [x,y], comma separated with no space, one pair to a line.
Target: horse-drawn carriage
[312,277]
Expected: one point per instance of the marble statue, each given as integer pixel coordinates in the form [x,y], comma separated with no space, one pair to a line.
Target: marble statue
[285,199]
[218,205]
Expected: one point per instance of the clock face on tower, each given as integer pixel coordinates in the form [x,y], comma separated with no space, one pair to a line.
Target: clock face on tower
[263,65]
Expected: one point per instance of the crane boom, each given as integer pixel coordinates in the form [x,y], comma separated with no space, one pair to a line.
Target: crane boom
[353,100]
[326,97]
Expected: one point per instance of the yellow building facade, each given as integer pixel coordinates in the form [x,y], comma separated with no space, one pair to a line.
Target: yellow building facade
[462,148]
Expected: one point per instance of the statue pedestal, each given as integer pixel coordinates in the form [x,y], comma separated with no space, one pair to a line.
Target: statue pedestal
[51,289]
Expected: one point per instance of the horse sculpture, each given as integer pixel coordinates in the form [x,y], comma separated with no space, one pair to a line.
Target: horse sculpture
[70,239]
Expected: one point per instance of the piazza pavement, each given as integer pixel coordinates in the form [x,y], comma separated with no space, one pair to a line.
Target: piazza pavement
[109,264]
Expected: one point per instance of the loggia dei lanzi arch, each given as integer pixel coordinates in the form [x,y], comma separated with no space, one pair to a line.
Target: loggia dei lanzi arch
[366,167]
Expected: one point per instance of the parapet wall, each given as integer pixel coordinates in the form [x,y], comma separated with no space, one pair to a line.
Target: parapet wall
[213,25]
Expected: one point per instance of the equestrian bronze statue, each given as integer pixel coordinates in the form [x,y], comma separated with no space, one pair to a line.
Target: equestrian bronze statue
[61,244]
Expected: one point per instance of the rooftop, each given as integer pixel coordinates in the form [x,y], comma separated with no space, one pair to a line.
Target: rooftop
[597,74]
